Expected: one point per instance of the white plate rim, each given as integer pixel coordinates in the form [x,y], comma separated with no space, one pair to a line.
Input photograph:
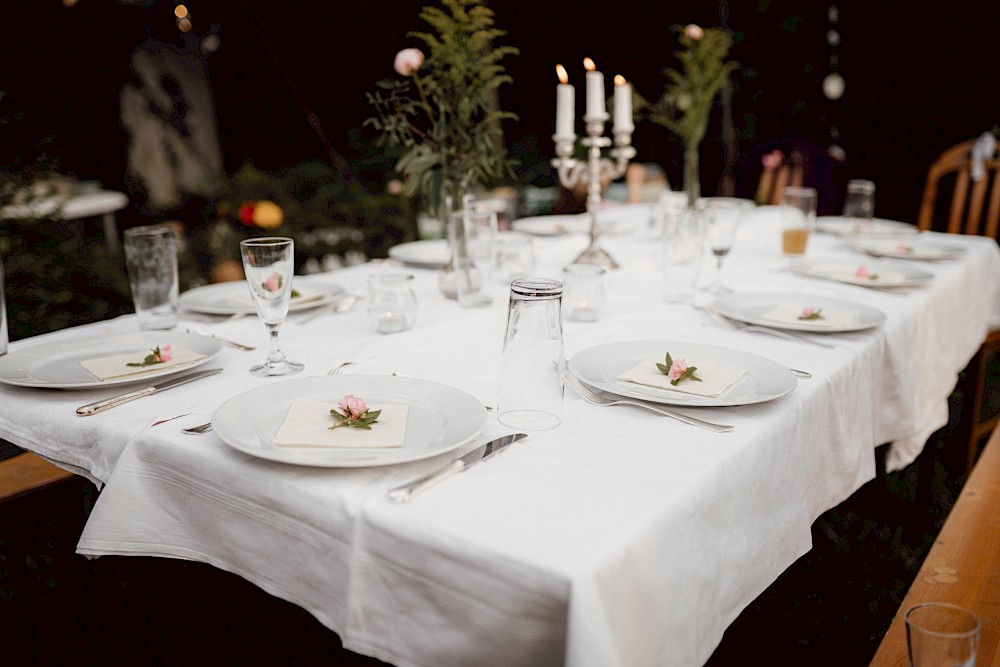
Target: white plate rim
[621,356]
[189,300]
[108,344]
[868,317]
[869,247]
[827,224]
[914,276]
[230,421]
[421,253]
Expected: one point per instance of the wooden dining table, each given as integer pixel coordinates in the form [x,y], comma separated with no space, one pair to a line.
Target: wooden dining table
[620,537]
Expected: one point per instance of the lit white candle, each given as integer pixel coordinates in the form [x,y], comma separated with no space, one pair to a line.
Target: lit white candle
[596,109]
[623,105]
[565,105]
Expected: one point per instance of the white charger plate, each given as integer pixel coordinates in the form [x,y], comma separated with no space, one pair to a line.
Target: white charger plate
[601,365]
[891,275]
[233,298]
[440,419]
[428,253]
[56,365]
[909,249]
[838,225]
[750,307]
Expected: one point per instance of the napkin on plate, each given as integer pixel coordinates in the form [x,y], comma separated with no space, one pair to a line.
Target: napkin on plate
[307,424]
[788,313]
[116,366]
[715,380]
[851,276]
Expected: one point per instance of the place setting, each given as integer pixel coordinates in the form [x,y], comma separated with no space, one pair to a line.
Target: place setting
[849,227]
[921,249]
[873,274]
[681,374]
[798,312]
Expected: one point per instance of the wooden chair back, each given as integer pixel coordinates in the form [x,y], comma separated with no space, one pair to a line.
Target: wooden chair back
[974,206]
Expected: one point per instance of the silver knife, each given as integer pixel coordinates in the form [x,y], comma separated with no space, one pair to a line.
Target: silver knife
[100,406]
[403,494]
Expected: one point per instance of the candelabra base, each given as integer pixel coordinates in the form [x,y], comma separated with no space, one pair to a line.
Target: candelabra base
[596,256]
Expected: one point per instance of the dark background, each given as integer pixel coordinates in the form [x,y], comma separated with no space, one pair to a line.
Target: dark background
[918,77]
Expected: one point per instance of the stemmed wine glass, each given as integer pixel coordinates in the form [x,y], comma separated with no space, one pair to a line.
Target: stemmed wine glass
[269,266]
[723,218]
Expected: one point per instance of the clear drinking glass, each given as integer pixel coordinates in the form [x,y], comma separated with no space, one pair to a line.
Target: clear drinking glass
[3,314]
[151,261]
[530,393]
[798,215]
[683,239]
[723,217]
[269,264]
[473,248]
[860,202]
[941,635]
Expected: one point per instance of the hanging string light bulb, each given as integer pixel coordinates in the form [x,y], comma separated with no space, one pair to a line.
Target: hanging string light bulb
[834,84]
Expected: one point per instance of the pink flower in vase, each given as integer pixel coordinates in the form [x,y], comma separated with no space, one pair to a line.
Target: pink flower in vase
[694,32]
[408,61]
[772,160]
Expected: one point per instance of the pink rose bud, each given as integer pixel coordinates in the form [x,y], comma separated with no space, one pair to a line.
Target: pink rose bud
[166,353]
[272,283]
[677,369]
[408,61]
[807,312]
[694,32]
[862,272]
[352,406]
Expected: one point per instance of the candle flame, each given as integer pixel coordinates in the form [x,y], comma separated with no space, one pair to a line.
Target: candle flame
[589,65]
[561,73]
[619,80]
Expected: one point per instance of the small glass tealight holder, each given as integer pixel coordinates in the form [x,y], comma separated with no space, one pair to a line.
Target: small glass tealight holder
[392,305]
[583,292]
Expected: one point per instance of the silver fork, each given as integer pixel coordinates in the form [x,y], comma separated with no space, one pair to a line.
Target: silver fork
[595,398]
[743,326]
[206,427]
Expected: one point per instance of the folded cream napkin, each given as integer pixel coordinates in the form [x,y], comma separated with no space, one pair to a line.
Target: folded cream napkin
[116,366]
[308,423]
[299,296]
[715,380]
[789,313]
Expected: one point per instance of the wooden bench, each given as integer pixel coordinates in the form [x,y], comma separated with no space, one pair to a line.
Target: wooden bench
[28,472]
[963,566]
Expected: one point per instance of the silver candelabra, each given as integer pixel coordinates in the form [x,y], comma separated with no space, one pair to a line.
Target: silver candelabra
[594,169]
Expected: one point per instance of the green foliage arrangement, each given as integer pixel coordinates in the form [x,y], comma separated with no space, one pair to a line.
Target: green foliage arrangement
[443,113]
[690,92]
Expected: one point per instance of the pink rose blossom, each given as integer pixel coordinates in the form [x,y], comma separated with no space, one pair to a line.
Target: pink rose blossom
[353,406]
[773,160]
[902,247]
[862,272]
[807,312]
[677,369]
[408,61]
[166,353]
[272,283]
[694,32]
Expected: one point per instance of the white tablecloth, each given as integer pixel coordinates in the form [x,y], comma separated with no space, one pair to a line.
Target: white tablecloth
[619,538]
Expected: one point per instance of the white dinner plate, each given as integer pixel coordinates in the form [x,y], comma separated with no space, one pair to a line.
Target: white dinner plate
[57,365]
[751,307]
[840,226]
[921,249]
[429,253]
[881,274]
[233,298]
[621,219]
[601,365]
[440,419]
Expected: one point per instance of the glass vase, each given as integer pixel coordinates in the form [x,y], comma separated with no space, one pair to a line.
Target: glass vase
[455,198]
[692,186]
